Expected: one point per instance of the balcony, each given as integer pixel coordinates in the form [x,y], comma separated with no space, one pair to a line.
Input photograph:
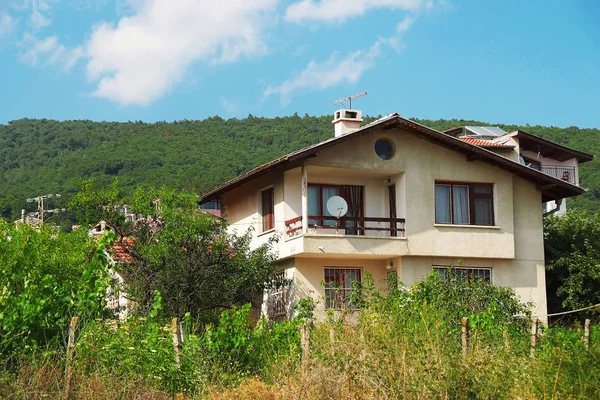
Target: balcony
[357,226]
[560,172]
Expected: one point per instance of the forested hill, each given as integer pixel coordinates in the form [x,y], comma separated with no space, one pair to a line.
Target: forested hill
[45,156]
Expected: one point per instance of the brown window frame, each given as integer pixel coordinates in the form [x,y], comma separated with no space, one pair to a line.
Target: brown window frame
[472,197]
[341,193]
[267,209]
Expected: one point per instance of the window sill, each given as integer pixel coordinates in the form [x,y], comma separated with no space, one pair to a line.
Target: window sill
[466,226]
[266,232]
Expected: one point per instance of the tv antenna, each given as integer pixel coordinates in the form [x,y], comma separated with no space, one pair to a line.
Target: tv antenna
[349,98]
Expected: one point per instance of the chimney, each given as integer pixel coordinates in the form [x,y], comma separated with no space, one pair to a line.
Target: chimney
[346,121]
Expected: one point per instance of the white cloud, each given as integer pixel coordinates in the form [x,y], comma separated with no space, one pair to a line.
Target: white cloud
[48,51]
[340,10]
[40,9]
[230,105]
[146,54]
[326,74]
[7,24]
[338,70]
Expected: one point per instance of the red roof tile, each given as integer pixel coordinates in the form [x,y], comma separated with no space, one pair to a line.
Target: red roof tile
[482,143]
[119,250]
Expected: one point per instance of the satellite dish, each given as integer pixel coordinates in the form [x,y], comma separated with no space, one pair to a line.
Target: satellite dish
[337,206]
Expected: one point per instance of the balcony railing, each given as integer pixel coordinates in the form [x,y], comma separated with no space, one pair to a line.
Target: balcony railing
[560,172]
[350,225]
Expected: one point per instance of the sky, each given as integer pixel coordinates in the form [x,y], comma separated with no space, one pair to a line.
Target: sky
[499,61]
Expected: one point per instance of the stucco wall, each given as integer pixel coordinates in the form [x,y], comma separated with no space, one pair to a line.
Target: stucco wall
[241,207]
[415,167]
[309,273]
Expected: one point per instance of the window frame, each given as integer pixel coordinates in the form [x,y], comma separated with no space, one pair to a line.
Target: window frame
[471,201]
[321,210]
[321,207]
[267,218]
[332,302]
[468,269]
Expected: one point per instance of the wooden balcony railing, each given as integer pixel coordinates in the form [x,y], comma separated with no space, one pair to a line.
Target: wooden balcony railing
[560,172]
[350,225]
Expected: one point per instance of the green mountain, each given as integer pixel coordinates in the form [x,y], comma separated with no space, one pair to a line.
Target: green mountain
[45,156]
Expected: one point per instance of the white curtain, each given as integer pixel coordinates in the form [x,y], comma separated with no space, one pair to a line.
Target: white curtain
[461,204]
[442,204]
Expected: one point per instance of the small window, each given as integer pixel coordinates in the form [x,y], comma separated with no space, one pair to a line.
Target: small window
[464,203]
[268,205]
[384,149]
[338,286]
[464,272]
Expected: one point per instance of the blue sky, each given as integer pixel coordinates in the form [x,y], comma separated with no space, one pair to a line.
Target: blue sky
[535,62]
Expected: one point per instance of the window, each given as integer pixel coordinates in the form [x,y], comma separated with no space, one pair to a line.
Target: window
[384,149]
[464,203]
[338,286]
[465,272]
[268,205]
[318,195]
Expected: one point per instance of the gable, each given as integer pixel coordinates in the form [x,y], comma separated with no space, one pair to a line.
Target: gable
[551,188]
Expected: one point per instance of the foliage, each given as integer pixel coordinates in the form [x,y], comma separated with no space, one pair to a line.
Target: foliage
[46,277]
[175,248]
[236,348]
[572,252]
[45,156]
[402,345]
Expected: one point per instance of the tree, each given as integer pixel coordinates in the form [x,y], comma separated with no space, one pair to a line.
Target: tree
[46,277]
[175,248]
[572,251]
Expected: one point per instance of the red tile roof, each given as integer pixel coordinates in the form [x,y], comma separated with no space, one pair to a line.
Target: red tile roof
[483,143]
[119,250]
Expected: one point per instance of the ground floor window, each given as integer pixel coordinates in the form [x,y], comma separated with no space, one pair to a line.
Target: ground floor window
[338,286]
[464,272]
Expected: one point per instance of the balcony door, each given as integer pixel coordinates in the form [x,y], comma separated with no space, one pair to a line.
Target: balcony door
[319,216]
[392,208]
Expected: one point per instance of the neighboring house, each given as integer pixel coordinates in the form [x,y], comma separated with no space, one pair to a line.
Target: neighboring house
[418,200]
[543,155]
[115,296]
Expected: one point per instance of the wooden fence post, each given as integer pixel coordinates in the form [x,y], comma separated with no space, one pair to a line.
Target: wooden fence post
[72,340]
[534,332]
[177,340]
[465,331]
[586,334]
[305,340]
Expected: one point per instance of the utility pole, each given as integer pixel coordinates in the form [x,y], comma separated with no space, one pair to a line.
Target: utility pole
[41,207]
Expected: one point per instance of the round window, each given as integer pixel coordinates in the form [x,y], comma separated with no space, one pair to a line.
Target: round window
[384,149]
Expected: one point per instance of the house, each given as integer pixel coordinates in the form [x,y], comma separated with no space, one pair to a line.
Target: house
[116,298]
[541,154]
[414,199]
